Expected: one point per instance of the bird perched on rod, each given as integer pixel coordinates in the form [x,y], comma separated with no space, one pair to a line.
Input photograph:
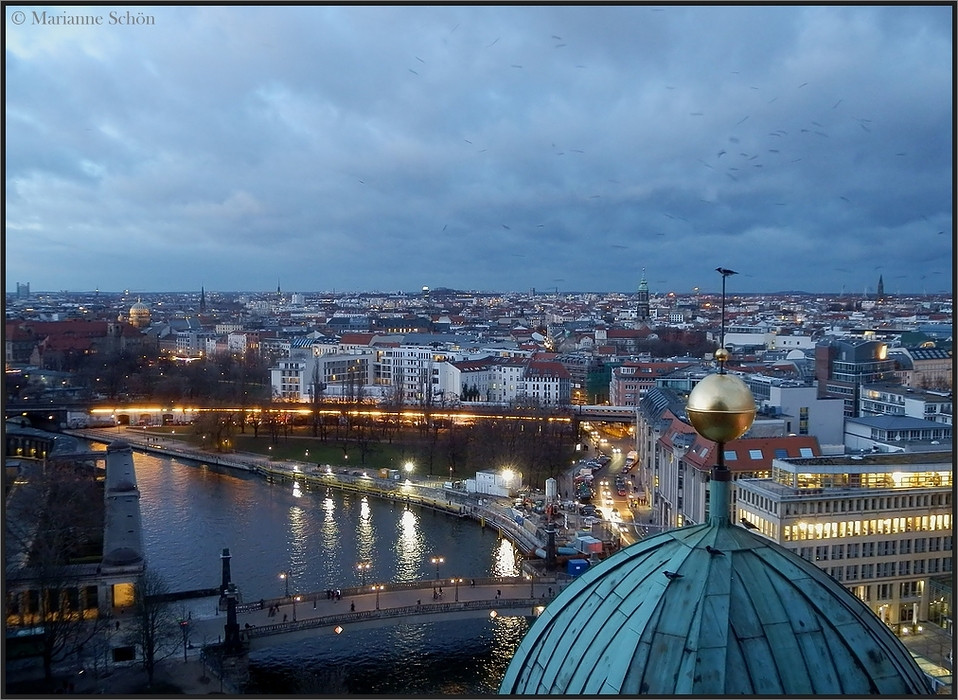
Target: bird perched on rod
[671,575]
[748,525]
[714,552]
[725,272]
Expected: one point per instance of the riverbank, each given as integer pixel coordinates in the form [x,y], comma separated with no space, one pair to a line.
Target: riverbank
[486,510]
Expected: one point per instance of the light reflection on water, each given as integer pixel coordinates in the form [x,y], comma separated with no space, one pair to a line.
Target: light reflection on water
[190,513]
[504,562]
[466,657]
[408,547]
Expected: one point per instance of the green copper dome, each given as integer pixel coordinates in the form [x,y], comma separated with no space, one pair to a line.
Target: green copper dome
[749,617]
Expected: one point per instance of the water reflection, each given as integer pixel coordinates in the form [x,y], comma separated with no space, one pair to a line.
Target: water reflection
[190,513]
[296,543]
[504,562]
[329,544]
[366,536]
[409,547]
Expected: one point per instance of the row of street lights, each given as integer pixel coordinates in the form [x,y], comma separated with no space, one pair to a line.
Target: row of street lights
[363,567]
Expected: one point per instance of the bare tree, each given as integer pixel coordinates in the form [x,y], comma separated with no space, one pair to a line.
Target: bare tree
[316,388]
[154,627]
[54,520]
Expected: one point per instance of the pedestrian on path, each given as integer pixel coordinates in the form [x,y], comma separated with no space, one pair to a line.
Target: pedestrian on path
[285,616]
[352,607]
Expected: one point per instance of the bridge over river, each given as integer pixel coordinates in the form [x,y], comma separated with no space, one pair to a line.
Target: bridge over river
[303,615]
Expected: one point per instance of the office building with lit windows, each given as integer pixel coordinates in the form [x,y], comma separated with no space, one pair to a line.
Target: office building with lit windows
[879,523]
[843,366]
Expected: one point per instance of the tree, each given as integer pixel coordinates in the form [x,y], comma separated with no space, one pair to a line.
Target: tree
[155,627]
[316,388]
[54,520]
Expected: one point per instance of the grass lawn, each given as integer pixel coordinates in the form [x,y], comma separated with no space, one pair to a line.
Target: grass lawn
[379,455]
[302,447]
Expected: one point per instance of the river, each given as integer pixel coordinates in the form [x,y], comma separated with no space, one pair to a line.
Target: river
[191,512]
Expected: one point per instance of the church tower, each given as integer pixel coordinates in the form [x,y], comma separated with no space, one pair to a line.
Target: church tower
[642,303]
[202,300]
[881,289]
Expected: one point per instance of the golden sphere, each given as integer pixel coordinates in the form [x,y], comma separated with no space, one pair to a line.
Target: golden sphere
[722,355]
[721,407]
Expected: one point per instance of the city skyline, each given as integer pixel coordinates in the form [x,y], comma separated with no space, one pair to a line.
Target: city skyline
[480,148]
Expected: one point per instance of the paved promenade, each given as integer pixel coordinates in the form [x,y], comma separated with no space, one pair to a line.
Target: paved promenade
[287,611]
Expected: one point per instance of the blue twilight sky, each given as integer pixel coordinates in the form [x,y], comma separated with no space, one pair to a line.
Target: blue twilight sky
[480,147]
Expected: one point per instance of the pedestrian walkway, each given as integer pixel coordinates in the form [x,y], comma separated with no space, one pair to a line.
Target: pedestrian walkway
[427,597]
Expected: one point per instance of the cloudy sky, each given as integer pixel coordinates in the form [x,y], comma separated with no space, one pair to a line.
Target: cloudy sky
[485,148]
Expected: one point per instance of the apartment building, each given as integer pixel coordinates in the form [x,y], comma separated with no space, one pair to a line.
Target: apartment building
[800,407]
[922,368]
[545,383]
[895,434]
[674,461]
[631,380]
[334,375]
[897,400]
[879,523]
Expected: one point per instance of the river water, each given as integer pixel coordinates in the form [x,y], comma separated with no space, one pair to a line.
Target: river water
[191,512]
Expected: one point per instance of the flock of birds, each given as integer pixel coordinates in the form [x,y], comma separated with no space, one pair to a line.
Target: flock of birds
[753,146]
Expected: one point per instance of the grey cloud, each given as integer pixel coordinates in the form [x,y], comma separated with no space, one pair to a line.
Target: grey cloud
[236,145]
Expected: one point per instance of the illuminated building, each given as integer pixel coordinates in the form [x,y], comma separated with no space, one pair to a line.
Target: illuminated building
[139,315]
[842,366]
[710,609]
[879,523]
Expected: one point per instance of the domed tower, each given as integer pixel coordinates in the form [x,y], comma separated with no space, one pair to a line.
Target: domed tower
[139,314]
[710,609]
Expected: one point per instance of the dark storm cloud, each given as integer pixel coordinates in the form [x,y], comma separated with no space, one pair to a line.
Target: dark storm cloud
[481,147]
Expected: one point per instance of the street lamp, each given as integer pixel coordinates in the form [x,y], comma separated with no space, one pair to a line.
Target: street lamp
[295,600]
[185,629]
[285,576]
[363,567]
[408,467]
[457,581]
[377,589]
[437,561]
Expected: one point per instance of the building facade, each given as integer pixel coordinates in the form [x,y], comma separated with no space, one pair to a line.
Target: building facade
[895,400]
[881,524]
[843,366]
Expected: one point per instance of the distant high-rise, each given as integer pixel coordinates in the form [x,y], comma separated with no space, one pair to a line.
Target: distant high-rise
[23,290]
